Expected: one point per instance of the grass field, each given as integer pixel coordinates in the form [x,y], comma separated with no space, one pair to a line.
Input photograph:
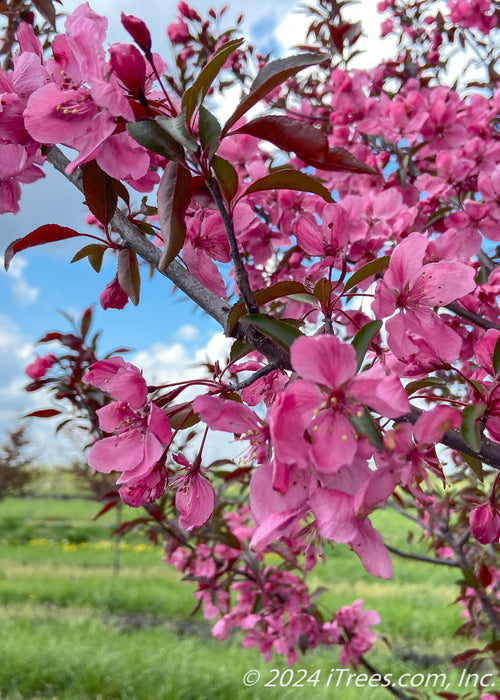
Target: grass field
[72,629]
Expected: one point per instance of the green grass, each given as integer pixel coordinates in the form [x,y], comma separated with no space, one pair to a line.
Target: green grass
[72,629]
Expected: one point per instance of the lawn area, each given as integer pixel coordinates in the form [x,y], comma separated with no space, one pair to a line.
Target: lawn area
[72,629]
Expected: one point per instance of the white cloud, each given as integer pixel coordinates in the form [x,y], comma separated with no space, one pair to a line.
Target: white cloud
[187,332]
[22,291]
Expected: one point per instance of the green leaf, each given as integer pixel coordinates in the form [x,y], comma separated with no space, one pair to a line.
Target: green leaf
[174,197]
[209,130]
[367,270]
[270,76]
[94,252]
[323,290]
[496,356]
[264,296]
[289,180]
[363,339]
[238,350]
[303,298]
[475,464]
[412,387]
[227,177]
[197,92]
[364,424]
[100,193]
[128,274]
[176,128]
[150,135]
[469,430]
[279,331]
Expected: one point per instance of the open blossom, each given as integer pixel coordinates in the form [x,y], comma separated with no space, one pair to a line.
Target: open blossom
[195,497]
[122,380]
[137,443]
[139,430]
[411,289]
[353,624]
[322,402]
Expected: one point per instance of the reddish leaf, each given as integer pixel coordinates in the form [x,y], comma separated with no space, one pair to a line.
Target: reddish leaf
[107,507]
[271,75]
[46,9]
[129,525]
[100,193]
[48,233]
[174,197]
[484,575]
[310,144]
[338,158]
[288,134]
[128,274]
[85,321]
[465,657]
[43,413]
[49,337]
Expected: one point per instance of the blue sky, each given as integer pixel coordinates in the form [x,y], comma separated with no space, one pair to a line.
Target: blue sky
[166,331]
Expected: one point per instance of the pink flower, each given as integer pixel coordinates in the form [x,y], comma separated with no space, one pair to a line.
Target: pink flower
[195,497]
[113,296]
[147,490]
[138,442]
[411,289]
[188,12]
[485,523]
[38,368]
[138,31]
[484,520]
[129,66]
[311,420]
[351,629]
[121,380]
[178,32]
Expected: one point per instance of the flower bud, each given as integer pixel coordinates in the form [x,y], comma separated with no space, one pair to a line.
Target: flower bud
[129,66]
[113,296]
[138,31]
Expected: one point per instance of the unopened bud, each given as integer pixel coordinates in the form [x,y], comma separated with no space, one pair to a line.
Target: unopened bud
[138,31]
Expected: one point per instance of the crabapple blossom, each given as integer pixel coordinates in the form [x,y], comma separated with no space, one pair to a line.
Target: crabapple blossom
[39,368]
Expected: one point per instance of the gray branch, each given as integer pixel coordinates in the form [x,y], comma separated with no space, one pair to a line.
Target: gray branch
[213,305]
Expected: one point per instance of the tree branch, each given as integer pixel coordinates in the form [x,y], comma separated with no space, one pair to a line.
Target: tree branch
[421,557]
[239,267]
[471,316]
[215,307]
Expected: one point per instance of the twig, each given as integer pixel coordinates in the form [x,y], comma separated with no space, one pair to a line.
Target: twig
[421,557]
[471,316]
[262,372]
[239,267]
[489,452]
[391,687]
